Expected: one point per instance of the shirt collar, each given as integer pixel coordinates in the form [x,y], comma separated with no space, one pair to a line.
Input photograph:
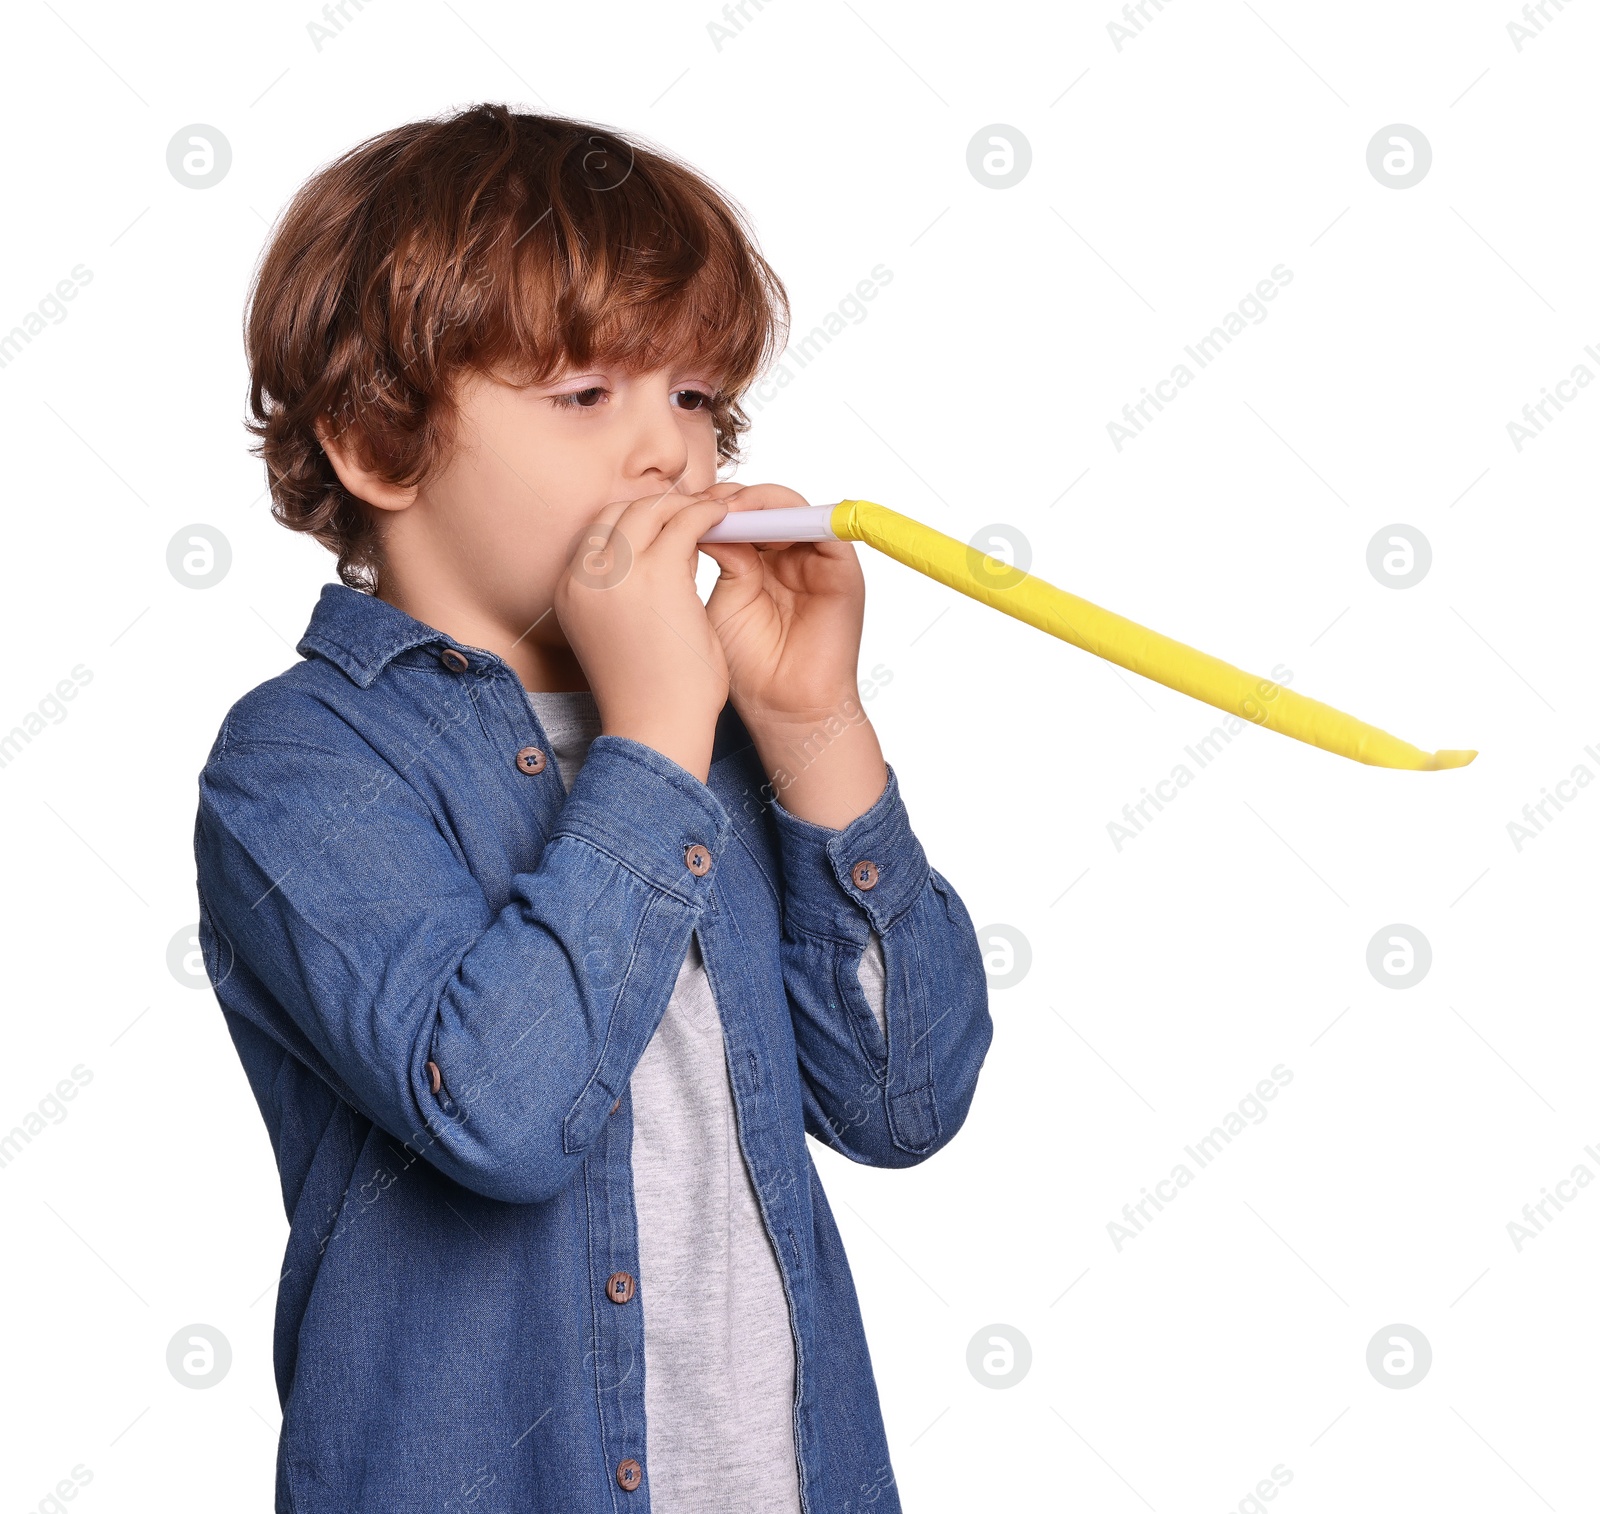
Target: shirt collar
[361,634]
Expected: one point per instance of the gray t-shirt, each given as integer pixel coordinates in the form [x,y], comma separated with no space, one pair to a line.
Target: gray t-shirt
[719,1351]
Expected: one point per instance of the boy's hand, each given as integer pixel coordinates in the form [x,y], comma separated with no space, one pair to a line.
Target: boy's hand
[628,607]
[789,621]
[788,616]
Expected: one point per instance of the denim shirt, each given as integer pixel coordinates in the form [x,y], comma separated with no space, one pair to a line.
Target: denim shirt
[439,973]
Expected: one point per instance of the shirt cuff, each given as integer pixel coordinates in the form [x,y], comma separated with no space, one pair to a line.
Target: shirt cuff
[648,812]
[874,865]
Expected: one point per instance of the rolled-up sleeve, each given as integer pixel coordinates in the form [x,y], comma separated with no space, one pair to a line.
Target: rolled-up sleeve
[892,1093]
[494,1042]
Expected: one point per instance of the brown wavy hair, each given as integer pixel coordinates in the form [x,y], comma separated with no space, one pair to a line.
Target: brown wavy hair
[494,242]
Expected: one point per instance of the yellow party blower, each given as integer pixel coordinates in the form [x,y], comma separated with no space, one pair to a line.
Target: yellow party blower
[1129,645]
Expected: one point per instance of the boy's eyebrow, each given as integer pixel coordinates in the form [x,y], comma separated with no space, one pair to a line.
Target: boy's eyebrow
[601,369]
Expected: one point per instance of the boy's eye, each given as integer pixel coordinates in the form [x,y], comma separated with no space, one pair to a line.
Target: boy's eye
[588,399]
[580,399]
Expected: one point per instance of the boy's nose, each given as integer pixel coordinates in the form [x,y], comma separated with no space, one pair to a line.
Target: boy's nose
[656,447]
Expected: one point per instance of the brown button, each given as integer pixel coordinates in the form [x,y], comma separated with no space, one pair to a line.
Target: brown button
[453,660]
[434,1079]
[699,860]
[629,1474]
[864,874]
[615,1107]
[619,1287]
[531,760]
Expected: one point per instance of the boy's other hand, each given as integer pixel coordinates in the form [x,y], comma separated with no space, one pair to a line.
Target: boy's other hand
[788,616]
[629,609]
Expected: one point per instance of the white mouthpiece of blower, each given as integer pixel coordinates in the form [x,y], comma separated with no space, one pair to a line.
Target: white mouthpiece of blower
[787,523]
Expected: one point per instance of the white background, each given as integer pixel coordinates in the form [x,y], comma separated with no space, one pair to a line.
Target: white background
[1166,977]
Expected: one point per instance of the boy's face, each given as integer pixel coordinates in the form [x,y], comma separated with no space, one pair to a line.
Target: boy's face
[532,466]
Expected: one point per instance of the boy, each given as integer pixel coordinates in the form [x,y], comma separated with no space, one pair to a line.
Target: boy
[549,907]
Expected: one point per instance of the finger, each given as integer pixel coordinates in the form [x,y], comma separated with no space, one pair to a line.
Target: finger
[768,497]
[688,523]
[735,558]
[642,520]
[741,584]
[593,540]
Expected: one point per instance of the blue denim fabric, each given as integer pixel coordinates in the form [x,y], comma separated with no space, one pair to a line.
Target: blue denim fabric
[382,887]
